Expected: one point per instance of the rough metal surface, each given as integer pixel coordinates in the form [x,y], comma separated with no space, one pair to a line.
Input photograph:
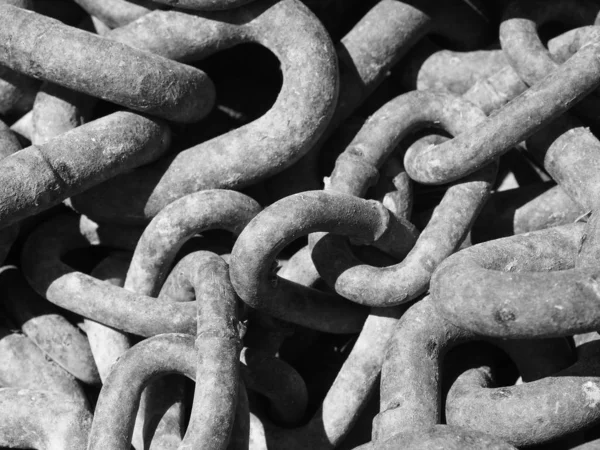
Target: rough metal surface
[25,366]
[42,420]
[247,154]
[531,413]
[136,311]
[268,233]
[431,67]
[9,144]
[570,153]
[45,326]
[176,224]
[552,208]
[115,412]
[357,168]
[505,84]
[524,48]
[527,114]
[440,437]
[410,378]
[35,45]
[37,178]
[300,268]
[90,297]
[287,356]
[17,91]
[57,110]
[216,347]
[508,273]
[106,343]
[367,52]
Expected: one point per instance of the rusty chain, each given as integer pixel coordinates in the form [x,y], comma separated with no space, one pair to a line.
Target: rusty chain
[286,224]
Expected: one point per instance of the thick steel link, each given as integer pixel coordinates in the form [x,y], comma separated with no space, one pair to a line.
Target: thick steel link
[526,114]
[247,154]
[120,308]
[17,91]
[410,379]
[357,169]
[312,354]
[531,413]
[254,254]
[524,48]
[215,367]
[35,45]
[176,224]
[106,343]
[367,52]
[493,288]
[80,293]
[119,399]
[9,144]
[37,178]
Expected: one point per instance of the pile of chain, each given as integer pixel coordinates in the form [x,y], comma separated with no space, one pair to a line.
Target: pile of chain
[285,224]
